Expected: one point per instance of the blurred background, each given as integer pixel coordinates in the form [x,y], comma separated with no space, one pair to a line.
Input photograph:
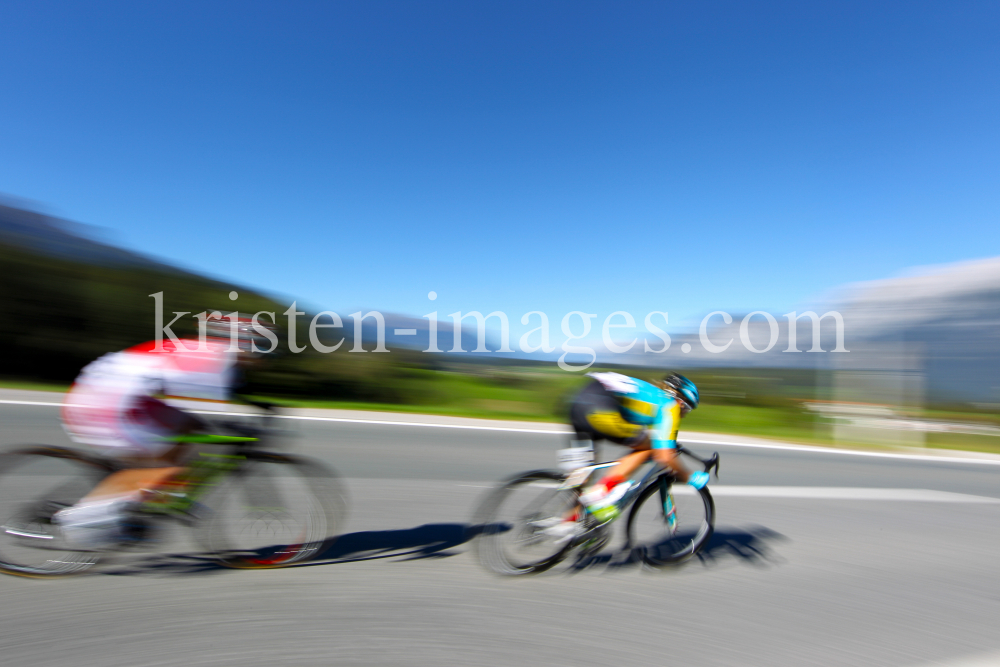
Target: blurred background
[424,159]
[921,365]
[551,158]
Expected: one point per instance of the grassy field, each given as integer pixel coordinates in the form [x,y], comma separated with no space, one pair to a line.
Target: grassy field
[33,386]
[542,395]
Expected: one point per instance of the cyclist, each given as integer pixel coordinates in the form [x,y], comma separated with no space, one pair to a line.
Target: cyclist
[641,415]
[118,405]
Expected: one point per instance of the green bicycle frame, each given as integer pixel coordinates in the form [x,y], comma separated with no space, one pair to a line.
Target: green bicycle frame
[199,476]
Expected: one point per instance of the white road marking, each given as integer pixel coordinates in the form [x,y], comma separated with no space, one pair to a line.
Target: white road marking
[55,405]
[688,439]
[846,493]
[386,422]
[833,450]
[815,493]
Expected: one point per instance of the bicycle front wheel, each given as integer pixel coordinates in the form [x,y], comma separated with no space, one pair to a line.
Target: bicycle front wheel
[670,523]
[275,511]
[517,524]
[35,483]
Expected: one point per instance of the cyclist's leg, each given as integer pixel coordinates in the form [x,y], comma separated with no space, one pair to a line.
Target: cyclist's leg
[96,521]
[629,463]
[588,412]
[131,481]
[150,457]
[667,457]
[611,427]
[596,415]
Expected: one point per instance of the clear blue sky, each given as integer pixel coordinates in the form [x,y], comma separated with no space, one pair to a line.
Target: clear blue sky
[556,156]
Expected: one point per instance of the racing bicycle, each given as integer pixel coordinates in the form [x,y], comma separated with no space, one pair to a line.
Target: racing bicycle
[666,522]
[247,508]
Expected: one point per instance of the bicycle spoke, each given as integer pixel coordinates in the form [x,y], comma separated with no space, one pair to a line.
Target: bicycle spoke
[34,485]
[527,524]
[278,511]
[670,523]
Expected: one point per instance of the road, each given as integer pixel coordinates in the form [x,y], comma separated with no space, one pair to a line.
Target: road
[847,569]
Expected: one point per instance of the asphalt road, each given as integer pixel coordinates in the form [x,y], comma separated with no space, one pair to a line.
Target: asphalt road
[825,576]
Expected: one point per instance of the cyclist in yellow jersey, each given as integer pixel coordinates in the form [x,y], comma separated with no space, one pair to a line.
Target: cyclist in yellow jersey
[641,415]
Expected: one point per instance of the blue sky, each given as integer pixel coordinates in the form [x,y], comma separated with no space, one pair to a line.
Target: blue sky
[519,156]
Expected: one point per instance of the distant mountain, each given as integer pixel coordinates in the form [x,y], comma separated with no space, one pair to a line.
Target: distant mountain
[960,294]
[67,299]
[402,331]
[53,237]
[944,319]
[729,349]
[939,326]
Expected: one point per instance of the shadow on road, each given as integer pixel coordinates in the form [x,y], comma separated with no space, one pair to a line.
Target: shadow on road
[749,546]
[423,542]
[427,541]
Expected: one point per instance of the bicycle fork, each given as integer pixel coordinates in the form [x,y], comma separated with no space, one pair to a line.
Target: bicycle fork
[669,509]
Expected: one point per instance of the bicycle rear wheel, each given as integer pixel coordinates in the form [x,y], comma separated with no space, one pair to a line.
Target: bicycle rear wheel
[516,522]
[35,483]
[275,511]
[670,523]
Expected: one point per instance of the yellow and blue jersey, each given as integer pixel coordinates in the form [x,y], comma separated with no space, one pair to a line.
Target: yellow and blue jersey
[642,406]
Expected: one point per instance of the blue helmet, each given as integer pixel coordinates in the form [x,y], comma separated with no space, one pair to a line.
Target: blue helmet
[683,389]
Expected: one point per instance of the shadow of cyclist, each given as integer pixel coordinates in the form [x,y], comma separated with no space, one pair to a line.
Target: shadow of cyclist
[749,546]
[423,542]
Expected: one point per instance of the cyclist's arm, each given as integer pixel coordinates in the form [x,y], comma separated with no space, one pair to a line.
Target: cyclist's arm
[663,432]
[238,384]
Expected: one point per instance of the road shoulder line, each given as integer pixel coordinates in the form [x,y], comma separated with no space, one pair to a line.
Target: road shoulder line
[540,428]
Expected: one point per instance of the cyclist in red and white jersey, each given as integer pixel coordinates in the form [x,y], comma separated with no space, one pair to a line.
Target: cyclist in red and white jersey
[129,404]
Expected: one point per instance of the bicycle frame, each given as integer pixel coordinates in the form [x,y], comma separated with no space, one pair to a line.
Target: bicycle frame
[579,477]
[200,475]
